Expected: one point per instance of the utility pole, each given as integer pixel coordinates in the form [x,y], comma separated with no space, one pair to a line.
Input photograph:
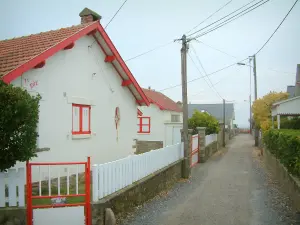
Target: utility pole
[224,120]
[250,96]
[186,170]
[255,98]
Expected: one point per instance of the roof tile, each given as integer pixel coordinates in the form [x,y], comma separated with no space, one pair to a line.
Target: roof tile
[14,52]
[161,100]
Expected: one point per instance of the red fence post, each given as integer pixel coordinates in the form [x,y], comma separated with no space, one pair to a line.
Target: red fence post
[29,194]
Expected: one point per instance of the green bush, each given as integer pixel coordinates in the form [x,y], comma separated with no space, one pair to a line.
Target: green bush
[203,119]
[19,113]
[285,146]
[293,123]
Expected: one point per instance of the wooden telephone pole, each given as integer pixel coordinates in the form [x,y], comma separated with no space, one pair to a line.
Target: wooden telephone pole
[186,170]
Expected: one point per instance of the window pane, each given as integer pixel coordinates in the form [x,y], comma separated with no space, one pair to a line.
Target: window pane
[145,121]
[145,128]
[85,119]
[75,118]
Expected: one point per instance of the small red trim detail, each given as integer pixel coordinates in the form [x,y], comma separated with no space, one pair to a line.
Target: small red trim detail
[109,58]
[69,46]
[139,112]
[40,65]
[92,32]
[140,101]
[126,82]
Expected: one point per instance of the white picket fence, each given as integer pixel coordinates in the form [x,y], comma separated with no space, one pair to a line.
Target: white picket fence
[12,184]
[210,139]
[113,176]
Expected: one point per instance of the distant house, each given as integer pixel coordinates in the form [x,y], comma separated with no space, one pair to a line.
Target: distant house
[161,121]
[290,106]
[215,110]
[89,96]
[291,91]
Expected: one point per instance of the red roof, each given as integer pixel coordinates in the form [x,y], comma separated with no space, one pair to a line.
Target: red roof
[21,54]
[162,101]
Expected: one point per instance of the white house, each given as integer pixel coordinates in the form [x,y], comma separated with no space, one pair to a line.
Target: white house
[89,96]
[161,121]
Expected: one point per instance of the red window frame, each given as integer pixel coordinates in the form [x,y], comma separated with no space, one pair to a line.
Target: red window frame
[81,107]
[141,125]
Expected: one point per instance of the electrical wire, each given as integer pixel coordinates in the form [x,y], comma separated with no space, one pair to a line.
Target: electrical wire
[277,27]
[115,14]
[210,16]
[229,20]
[225,17]
[198,78]
[151,50]
[199,61]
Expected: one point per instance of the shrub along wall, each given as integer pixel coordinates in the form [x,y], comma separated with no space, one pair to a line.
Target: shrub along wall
[285,146]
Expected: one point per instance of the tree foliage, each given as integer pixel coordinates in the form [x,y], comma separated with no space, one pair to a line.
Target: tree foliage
[203,119]
[262,107]
[19,113]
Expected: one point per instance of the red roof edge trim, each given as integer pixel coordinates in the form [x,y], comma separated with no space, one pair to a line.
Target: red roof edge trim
[122,63]
[155,103]
[139,112]
[46,54]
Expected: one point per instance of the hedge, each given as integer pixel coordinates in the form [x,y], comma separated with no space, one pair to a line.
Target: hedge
[285,146]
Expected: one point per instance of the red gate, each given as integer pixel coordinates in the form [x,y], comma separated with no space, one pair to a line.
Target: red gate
[30,197]
[194,150]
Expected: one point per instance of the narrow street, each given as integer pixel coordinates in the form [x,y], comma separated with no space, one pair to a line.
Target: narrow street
[231,188]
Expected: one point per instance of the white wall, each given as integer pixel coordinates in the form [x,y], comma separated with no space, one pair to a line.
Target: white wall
[162,129]
[157,123]
[81,75]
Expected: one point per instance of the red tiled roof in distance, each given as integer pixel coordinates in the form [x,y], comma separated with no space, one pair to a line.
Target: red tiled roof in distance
[17,51]
[162,101]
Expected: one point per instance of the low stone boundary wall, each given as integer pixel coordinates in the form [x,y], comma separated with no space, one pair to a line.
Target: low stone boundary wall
[12,216]
[146,146]
[125,200]
[209,151]
[289,184]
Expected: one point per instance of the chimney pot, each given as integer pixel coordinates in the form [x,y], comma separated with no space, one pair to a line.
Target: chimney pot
[88,16]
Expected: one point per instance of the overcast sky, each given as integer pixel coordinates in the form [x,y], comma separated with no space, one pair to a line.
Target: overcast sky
[143,24]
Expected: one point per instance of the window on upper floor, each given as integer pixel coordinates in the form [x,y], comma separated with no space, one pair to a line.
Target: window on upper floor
[143,123]
[175,118]
[81,119]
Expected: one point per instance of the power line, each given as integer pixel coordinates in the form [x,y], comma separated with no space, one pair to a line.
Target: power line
[230,20]
[210,16]
[277,27]
[115,14]
[212,86]
[151,50]
[219,70]
[223,17]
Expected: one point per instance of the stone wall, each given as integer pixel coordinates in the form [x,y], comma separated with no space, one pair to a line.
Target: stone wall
[125,200]
[209,151]
[289,184]
[12,216]
[146,146]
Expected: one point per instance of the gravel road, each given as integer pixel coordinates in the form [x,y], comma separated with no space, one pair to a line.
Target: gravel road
[233,187]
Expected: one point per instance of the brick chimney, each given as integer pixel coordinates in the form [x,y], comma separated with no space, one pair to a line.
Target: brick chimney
[88,16]
[297,84]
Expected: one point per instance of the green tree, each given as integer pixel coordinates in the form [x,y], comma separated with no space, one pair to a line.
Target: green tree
[261,108]
[203,119]
[19,114]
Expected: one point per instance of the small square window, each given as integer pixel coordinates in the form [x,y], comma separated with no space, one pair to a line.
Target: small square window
[143,124]
[81,119]
[175,118]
